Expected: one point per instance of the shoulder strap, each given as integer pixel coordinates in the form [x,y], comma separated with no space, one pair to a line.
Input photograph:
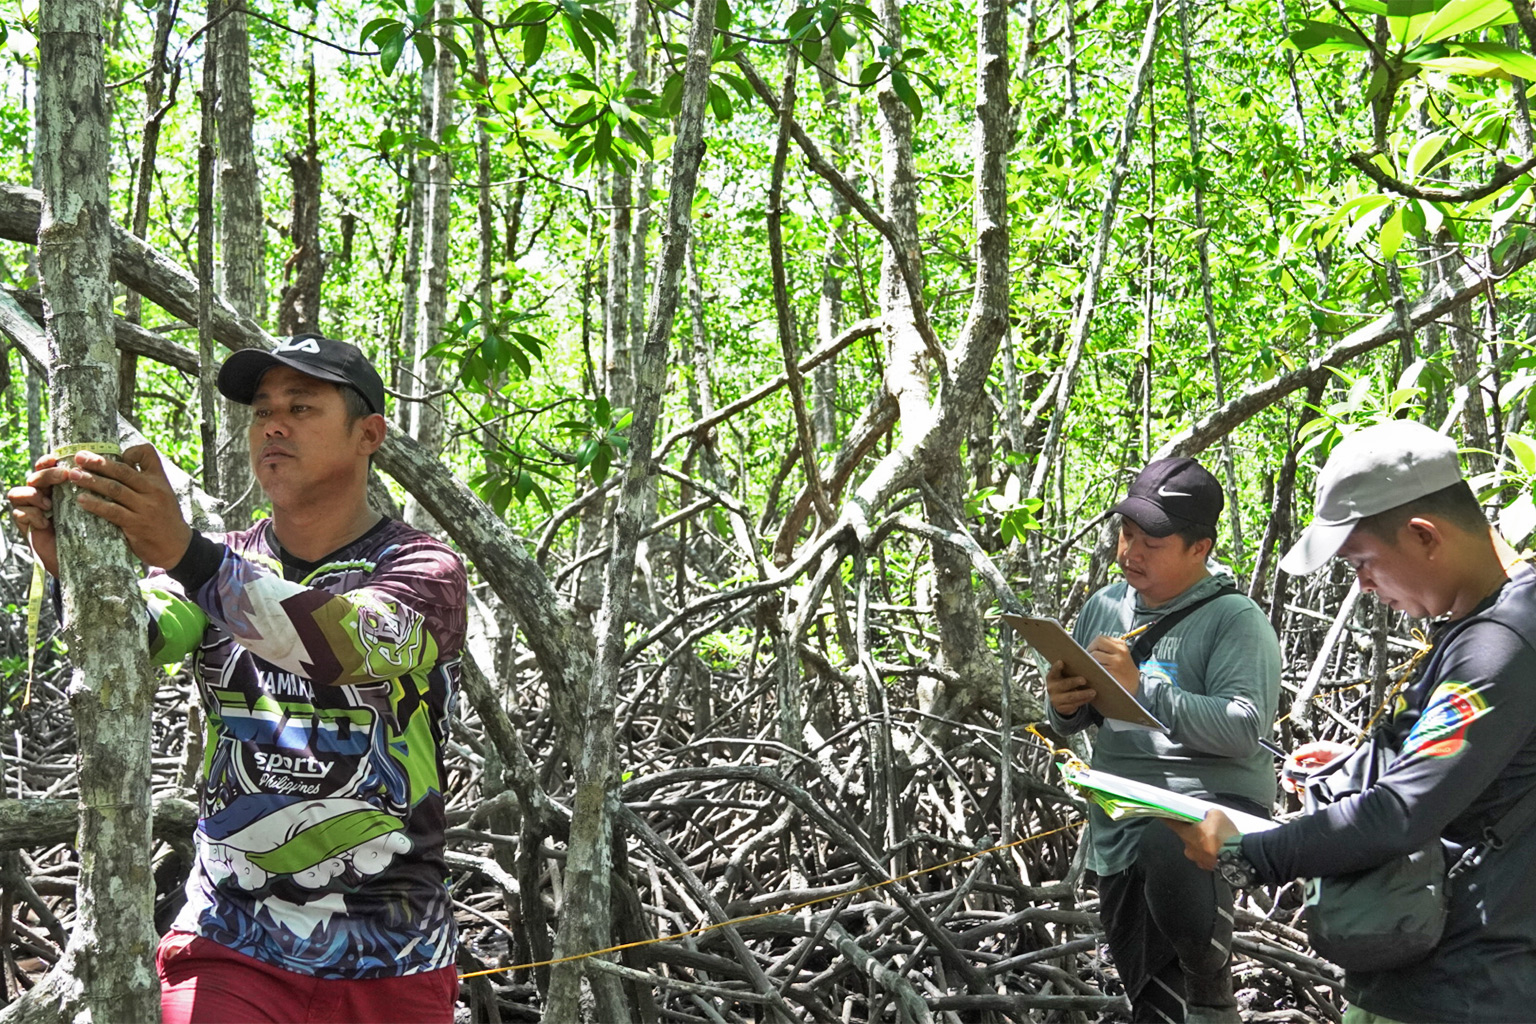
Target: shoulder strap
[1514,821]
[1496,835]
[1141,650]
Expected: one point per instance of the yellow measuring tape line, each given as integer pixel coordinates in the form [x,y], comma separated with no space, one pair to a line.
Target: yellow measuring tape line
[769,913]
[35,591]
[1030,729]
[1404,672]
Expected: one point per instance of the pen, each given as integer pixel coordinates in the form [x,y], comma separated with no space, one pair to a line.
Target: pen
[1272,748]
[1137,631]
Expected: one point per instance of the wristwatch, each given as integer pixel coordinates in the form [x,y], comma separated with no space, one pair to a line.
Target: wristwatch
[1233,866]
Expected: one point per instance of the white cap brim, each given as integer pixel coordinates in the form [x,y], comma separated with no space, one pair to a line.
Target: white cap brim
[1318,543]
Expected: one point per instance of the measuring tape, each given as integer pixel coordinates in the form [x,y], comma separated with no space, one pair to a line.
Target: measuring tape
[35,591]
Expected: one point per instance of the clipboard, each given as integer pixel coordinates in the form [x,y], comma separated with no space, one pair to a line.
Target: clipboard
[1113,702]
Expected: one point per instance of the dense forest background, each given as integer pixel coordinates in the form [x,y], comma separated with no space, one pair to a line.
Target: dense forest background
[756,355]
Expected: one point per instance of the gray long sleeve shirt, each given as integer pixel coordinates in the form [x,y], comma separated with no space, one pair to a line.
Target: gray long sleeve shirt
[1214,680]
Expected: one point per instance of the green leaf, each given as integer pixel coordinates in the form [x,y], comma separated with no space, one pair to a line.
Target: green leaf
[736,82]
[1517,62]
[501,498]
[516,356]
[1405,19]
[1322,39]
[1423,153]
[1433,216]
[1359,206]
[719,102]
[672,94]
[1465,16]
[1524,450]
[534,346]
[1391,237]
[426,46]
[871,73]
[908,95]
[453,46]
[362,37]
[534,38]
[1463,66]
[722,14]
[600,463]
[1362,225]
[600,24]
[390,51]
[580,38]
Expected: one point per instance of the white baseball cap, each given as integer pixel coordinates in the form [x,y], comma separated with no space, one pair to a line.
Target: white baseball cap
[1371,471]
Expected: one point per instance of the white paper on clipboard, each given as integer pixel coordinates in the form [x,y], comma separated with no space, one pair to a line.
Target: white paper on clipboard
[1119,708]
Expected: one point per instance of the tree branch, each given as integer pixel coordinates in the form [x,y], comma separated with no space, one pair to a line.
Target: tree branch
[1503,174]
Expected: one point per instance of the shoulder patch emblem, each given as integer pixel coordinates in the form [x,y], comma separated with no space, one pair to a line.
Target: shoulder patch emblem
[1442,730]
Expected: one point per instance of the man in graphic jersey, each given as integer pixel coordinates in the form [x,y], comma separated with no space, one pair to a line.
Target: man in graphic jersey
[326,644]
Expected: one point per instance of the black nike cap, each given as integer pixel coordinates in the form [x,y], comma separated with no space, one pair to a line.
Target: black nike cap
[1170,494]
[312,354]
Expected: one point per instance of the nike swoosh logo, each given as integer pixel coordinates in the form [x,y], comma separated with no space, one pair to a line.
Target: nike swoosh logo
[1164,492]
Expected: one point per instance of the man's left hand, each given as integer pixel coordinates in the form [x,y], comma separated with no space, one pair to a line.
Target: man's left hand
[1115,656]
[135,496]
[1203,839]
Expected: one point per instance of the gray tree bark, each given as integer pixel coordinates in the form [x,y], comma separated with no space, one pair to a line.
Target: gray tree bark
[410,272]
[299,308]
[427,412]
[618,369]
[105,973]
[1203,247]
[1082,320]
[829,308]
[907,363]
[586,923]
[207,391]
[149,145]
[242,268]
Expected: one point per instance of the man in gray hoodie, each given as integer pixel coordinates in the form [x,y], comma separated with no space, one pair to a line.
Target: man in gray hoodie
[1212,676]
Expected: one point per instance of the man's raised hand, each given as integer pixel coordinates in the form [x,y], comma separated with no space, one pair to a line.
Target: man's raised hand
[32,510]
[132,494]
[1115,656]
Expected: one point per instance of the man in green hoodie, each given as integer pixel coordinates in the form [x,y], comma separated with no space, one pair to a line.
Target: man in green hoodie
[1212,676]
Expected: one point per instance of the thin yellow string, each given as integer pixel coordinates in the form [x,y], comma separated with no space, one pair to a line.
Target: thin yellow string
[1404,671]
[798,906]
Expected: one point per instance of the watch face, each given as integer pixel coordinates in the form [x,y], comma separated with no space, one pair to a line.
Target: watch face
[1233,866]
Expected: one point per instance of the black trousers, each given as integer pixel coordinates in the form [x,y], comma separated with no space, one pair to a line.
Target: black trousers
[1169,928]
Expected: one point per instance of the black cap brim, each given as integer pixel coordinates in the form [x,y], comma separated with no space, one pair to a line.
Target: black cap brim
[1152,519]
[241,374]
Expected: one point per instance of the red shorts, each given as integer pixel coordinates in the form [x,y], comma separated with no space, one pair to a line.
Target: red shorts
[202,982]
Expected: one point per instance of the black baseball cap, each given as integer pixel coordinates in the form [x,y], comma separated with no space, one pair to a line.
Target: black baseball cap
[312,354]
[1171,494]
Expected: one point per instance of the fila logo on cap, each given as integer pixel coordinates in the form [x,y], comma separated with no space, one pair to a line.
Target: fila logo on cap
[309,345]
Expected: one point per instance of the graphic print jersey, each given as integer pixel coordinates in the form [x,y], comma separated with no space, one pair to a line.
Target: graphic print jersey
[327,689]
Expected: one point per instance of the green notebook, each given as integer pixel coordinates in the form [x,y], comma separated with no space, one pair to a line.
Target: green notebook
[1120,798]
